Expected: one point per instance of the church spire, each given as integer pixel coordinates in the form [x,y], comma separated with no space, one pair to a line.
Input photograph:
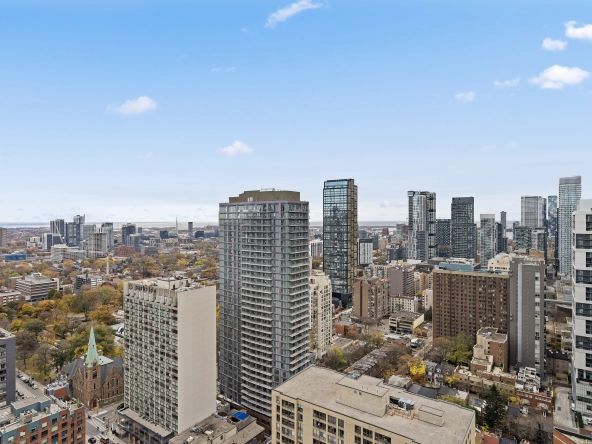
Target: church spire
[92,354]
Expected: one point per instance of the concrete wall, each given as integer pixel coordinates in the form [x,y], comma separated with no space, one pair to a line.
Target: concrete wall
[197,355]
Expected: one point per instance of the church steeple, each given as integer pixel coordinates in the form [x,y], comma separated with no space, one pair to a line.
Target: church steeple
[92,355]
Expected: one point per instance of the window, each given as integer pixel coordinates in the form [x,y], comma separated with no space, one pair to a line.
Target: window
[588,327]
[358,430]
[331,420]
[584,343]
[583,309]
[588,360]
[584,276]
[588,222]
[584,241]
[340,421]
[357,440]
[589,293]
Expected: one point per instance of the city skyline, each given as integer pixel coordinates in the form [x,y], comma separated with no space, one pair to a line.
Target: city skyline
[153,118]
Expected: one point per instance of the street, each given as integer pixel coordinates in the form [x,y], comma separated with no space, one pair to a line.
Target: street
[563,416]
[27,390]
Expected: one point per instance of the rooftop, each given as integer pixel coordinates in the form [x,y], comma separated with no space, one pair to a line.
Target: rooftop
[221,430]
[406,315]
[318,386]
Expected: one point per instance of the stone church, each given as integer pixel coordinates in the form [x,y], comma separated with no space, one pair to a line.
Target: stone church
[94,379]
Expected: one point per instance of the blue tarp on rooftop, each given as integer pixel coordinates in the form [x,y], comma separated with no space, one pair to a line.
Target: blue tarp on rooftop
[240,416]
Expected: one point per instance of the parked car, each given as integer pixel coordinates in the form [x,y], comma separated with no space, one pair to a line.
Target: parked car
[92,440]
[34,386]
[26,380]
[120,406]
[104,439]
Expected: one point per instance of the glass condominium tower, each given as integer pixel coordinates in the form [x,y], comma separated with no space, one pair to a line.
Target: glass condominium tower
[264,295]
[340,236]
[570,191]
[533,211]
[462,227]
[422,225]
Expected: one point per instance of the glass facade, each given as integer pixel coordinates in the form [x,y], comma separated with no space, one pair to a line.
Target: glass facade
[422,225]
[462,226]
[340,236]
[264,295]
[570,191]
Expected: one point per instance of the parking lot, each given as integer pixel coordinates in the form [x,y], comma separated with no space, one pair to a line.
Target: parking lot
[26,390]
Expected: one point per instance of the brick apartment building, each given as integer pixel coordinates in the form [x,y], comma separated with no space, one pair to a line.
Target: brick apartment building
[466,301]
[371,298]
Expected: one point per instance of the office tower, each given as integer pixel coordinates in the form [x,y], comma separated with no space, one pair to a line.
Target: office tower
[533,211]
[522,238]
[552,217]
[581,375]
[365,252]
[57,226]
[340,236]
[321,313]
[371,298]
[422,225]
[190,231]
[503,221]
[97,244]
[316,248]
[264,295]
[465,301]
[164,234]
[462,227]
[488,246]
[126,231]
[570,191]
[134,241]
[169,353]
[443,240]
[3,237]
[107,227]
[322,405]
[8,367]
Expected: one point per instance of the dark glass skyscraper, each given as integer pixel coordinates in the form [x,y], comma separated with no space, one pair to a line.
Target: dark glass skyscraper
[422,225]
[462,226]
[340,236]
[443,241]
[552,216]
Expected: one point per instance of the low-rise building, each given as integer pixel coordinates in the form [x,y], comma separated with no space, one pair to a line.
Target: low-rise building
[491,347]
[35,287]
[557,363]
[232,428]
[43,419]
[403,303]
[320,405]
[405,322]
[63,252]
[7,295]
[86,279]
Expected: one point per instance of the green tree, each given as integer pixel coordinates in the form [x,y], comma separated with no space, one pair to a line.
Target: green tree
[43,360]
[35,325]
[102,315]
[495,408]
[26,345]
[335,360]
[61,354]
[103,335]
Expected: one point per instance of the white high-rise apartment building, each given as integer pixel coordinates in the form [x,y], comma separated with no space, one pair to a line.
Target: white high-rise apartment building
[97,244]
[321,312]
[365,252]
[316,248]
[581,375]
[107,227]
[169,353]
[533,211]
[488,241]
[570,191]
[264,295]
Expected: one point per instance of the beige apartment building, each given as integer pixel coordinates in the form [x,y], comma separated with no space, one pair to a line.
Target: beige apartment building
[321,312]
[371,298]
[321,406]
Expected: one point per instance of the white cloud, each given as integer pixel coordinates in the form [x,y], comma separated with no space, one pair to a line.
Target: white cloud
[237,147]
[232,68]
[136,106]
[507,83]
[553,45]
[147,156]
[556,77]
[466,97]
[585,32]
[283,14]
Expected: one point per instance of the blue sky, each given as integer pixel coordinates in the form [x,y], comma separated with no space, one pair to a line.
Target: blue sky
[148,110]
